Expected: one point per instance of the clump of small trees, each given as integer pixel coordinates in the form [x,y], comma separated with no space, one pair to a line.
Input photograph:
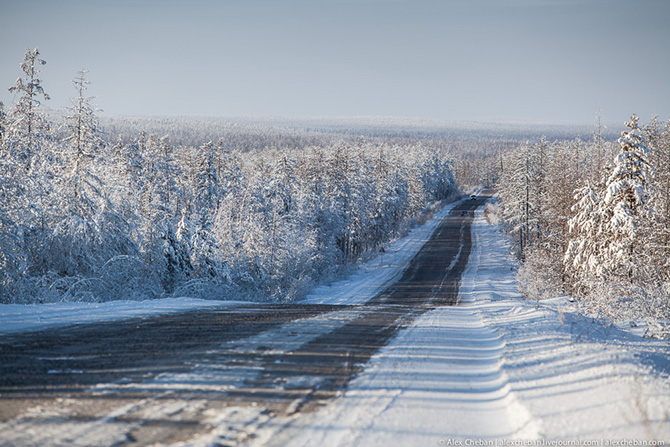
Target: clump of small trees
[592,219]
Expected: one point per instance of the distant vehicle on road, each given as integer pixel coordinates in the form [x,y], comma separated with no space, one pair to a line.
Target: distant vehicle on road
[464,213]
[473,197]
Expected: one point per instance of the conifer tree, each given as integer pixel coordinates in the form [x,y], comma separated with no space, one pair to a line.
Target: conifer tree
[583,256]
[82,188]
[3,127]
[82,123]
[658,140]
[207,185]
[27,121]
[625,206]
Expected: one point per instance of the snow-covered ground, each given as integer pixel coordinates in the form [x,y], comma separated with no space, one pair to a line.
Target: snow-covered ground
[491,369]
[373,276]
[497,368]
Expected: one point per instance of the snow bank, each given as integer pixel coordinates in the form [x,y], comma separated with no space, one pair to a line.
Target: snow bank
[575,377]
[496,367]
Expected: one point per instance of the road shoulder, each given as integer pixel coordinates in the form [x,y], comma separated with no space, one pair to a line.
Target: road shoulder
[577,379]
[496,367]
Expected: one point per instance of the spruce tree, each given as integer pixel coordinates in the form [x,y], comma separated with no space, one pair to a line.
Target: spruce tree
[82,123]
[583,257]
[625,206]
[27,123]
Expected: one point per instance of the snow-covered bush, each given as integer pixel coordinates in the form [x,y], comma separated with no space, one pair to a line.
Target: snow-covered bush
[539,275]
[493,213]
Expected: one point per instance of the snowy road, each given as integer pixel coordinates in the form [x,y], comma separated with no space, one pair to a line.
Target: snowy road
[378,359]
[215,374]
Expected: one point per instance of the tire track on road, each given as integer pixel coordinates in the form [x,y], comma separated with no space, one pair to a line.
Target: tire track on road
[214,358]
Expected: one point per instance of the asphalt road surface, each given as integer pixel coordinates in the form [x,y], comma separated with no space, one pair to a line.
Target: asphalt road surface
[154,380]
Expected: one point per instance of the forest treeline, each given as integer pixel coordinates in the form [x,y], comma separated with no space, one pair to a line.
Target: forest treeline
[592,220]
[86,219]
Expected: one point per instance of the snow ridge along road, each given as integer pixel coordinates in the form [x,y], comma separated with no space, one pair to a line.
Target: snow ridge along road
[438,382]
[355,364]
[498,368]
[224,375]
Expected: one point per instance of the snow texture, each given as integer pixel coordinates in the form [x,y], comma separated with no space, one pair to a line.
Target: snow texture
[358,288]
[495,367]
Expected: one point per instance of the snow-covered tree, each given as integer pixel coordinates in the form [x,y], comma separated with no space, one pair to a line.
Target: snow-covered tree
[13,262]
[27,122]
[519,190]
[658,141]
[280,194]
[82,122]
[584,255]
[206,179]
[625,206]
[3,126]
[82,189]
[175,265]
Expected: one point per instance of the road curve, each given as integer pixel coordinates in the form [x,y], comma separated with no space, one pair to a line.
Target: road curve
[283,359]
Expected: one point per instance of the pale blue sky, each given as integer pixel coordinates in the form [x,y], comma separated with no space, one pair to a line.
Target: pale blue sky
[546,60]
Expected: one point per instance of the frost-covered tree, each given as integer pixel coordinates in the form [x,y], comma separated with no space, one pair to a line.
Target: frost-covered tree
[30,159]
[174,266]
[658,141]
[82,188]
[83,125]
[206,181]
[583,257]
[27,122]
[625,206]
[341,171]
[160,193]
[280,195]
[13,261]
[519,190]
[122,178]
[3,126]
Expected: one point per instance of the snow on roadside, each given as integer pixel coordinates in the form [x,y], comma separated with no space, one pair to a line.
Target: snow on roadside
[496,367]
[373,276]
[577,378]
[364,283]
